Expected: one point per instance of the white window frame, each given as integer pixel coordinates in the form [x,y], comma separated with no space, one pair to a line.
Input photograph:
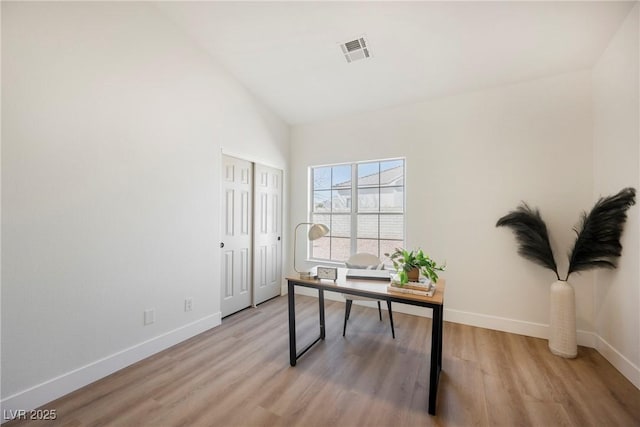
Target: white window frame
[354,205]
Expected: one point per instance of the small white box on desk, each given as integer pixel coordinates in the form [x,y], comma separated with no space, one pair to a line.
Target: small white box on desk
[361,273]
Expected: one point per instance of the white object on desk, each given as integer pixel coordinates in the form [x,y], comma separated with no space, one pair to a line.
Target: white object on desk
[360,273]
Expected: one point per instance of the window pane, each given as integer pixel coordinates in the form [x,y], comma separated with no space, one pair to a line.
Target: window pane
[319,219]
[368,200]
[322,201]
[391,199]
[391,164]
[369,246]
[387,247]
[391,227]
[340,248]
[368,226]
[341,176]
[321,248]
[392,173]
[369,174]
[341,200]
[322,178]
[340,226]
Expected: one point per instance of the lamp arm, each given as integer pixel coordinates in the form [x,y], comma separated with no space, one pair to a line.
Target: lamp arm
[295,244]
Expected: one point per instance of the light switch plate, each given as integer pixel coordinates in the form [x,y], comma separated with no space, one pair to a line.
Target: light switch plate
[149,316]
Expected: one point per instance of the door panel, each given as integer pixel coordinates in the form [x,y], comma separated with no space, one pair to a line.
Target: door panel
[237,214]
[268,233]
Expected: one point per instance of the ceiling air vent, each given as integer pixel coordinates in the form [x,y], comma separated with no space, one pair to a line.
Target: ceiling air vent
[355,50]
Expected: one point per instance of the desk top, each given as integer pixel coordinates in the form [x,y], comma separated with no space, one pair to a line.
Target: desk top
[372,286]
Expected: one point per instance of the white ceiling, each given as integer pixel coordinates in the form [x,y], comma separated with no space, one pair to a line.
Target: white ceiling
[288,55]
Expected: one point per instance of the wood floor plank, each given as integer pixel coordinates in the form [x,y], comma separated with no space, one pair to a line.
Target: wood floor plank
[238,374]
[461,400]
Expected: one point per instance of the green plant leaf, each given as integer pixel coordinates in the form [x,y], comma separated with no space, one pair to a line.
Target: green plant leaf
[405,260]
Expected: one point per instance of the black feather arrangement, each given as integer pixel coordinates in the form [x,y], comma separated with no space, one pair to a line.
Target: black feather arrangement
[598,233]
[532,236]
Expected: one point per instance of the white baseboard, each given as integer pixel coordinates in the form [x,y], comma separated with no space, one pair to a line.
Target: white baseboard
[52,389]
[514,326]
[621,363]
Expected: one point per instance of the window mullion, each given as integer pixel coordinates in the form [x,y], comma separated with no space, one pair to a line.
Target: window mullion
[379,211]
[354,208]
[331,227]
[309,252]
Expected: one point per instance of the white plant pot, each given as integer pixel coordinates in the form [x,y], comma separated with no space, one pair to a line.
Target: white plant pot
[562,326]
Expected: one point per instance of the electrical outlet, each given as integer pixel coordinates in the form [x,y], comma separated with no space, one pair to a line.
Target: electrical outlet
[149,316]
[188,304]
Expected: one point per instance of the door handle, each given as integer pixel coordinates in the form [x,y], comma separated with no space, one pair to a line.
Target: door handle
[278,238]
[222,244]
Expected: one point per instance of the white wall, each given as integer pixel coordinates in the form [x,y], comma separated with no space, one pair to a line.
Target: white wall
[616,165]
[114,122]
[470,159]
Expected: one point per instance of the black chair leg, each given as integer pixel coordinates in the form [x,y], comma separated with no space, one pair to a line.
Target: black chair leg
[347,311]
[379,311]
[393,332]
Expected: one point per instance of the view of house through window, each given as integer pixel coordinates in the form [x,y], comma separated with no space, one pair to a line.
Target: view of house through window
[362,204]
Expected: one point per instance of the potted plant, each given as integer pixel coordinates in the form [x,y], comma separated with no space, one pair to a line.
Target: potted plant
[597,245]
[409,265]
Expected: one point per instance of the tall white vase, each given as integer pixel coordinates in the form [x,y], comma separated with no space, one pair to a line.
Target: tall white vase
[562,326]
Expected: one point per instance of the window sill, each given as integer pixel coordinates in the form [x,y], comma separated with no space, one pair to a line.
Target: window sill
[327,262]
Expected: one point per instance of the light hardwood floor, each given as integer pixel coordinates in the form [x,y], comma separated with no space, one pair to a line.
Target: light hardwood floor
[238,374]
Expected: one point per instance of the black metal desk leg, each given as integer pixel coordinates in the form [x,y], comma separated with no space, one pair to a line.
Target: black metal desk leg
[440,338]
[321,308]
[292,324]
[434,372]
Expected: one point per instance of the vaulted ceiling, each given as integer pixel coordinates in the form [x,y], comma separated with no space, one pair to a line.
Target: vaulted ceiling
[288,53]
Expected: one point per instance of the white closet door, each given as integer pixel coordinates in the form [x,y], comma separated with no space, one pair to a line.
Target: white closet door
[267,233]
[237,229]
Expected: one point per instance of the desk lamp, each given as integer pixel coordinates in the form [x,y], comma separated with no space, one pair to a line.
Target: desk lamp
[316,231]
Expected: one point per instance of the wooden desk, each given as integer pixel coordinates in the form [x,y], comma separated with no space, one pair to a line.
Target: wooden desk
[372,289]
